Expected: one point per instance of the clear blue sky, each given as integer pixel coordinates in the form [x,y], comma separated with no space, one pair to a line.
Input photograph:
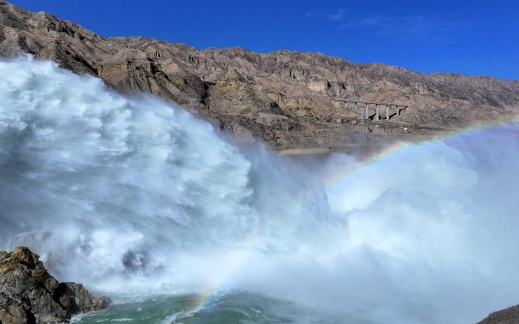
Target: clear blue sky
[471,37]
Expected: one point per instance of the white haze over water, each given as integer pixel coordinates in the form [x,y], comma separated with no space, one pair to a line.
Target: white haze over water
[134,195]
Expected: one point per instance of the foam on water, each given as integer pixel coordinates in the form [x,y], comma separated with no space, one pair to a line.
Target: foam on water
[133,196]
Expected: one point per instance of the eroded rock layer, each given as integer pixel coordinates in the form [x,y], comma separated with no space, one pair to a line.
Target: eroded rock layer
[282,97]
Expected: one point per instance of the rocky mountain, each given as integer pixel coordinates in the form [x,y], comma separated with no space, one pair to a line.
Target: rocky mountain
[29,294]
[282,97]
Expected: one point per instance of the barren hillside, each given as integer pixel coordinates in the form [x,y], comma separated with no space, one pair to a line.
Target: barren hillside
[282,97]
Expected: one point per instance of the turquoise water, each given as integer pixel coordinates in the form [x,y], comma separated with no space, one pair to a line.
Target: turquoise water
[236,308]
[134,195]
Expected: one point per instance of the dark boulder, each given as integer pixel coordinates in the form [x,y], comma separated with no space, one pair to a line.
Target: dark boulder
[29,294]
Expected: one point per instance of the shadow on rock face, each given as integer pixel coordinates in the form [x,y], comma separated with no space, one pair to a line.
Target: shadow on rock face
[29,294]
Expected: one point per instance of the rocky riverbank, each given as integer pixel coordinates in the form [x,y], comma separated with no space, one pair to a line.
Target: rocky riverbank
[29,294]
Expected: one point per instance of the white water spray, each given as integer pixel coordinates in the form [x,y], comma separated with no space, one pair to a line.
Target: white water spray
[133,194]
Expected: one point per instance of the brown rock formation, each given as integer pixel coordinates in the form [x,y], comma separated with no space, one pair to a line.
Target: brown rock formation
[281,97]
[29,294]
[506,316]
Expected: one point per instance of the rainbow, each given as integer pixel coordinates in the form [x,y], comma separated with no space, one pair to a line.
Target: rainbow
[230,264]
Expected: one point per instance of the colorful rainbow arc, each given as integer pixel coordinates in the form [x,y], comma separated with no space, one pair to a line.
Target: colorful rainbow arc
[237,257]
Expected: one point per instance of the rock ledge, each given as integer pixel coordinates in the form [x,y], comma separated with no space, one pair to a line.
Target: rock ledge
[29,294]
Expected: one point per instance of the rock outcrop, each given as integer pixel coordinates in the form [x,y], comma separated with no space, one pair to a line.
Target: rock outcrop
[29,294]
[282,97]
[506,316]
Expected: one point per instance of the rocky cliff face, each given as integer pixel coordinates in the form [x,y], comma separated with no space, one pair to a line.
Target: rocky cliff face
[506,316]
[29,294]
[281,97]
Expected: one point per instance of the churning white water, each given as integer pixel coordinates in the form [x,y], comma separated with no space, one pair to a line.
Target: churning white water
[134,196]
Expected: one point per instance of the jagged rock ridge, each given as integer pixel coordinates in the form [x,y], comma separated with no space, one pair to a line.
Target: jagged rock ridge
[281,97]
[30,295]
[506,316]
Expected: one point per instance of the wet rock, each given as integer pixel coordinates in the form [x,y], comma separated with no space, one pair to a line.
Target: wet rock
[29,294]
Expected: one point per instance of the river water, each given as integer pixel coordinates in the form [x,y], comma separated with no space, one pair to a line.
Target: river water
[153,207]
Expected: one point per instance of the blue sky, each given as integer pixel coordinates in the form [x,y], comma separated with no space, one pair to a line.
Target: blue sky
[471,37]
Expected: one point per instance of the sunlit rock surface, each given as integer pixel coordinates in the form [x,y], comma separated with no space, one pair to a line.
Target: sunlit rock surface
[234,86]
